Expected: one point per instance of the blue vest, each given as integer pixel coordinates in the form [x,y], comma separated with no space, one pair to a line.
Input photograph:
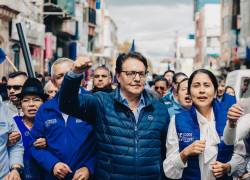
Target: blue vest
[188,131]
[227,101]
[32,170]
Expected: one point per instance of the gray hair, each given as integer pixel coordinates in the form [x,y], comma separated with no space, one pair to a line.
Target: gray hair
[59,61]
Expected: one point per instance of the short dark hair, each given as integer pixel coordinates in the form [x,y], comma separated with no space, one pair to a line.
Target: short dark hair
[4,78]
[162,79]
[179,84]
[38,75]
[167,71]
[176,75]
[105,68]
[18,73]
[220,79]
[203,71]
[124,56]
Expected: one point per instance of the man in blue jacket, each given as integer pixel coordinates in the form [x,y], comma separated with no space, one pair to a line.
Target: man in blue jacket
[130,126]
[70,141]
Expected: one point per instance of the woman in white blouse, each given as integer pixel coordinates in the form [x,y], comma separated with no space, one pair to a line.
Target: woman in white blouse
[194,147]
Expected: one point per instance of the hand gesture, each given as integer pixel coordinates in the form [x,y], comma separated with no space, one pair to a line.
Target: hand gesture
[81,64]
[13,138]
[13,175]
[81,174]
[233,114]
[60,170]
[196,148]
[40,143]
[219,169]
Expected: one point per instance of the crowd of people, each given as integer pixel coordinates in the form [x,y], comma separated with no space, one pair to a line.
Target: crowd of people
[174,127]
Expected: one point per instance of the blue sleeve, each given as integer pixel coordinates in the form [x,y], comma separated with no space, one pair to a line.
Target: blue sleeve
[83,106]
[230,100]
[90,164]
[42,156]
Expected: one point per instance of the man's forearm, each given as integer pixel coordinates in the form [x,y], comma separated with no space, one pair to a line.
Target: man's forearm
[16,154]
[229,135]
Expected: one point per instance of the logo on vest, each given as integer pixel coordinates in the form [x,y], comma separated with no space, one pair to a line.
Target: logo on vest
[27,133]
[150,118]
[185,137]
[49,122]
[167,103]
[79,121]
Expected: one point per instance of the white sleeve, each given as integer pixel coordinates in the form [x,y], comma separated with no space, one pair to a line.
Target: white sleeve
[229,135]
[173,165]
[15,151]
[238,163]
[234,135]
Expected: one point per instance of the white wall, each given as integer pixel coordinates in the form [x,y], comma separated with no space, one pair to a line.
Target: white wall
[110,36]
[211,28]
[212,19]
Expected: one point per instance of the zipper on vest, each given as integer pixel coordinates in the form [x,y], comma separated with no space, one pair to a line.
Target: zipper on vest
[136,140]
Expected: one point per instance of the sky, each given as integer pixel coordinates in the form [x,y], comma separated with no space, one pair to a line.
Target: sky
[153,24]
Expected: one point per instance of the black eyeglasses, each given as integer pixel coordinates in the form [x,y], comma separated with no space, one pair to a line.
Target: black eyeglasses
[132,74]
[15,87]
[160,87]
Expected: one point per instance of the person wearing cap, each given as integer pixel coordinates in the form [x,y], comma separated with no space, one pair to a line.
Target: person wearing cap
[31,97]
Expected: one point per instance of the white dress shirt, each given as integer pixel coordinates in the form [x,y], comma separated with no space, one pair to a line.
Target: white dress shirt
[174,166]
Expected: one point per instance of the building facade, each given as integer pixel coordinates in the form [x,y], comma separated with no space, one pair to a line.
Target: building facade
[30,13]
[185,53]
[236,34]
[207,17]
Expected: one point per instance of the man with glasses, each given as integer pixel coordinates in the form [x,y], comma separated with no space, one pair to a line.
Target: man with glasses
[130,126]
[102,80]
[14,87]
[161,86]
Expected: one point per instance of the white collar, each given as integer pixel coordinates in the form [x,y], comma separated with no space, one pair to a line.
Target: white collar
[209,134]
[203,120]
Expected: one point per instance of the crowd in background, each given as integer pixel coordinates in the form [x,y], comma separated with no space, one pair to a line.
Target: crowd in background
[172,127]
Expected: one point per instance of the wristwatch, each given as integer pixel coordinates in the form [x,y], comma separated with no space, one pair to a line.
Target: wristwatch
[18,169]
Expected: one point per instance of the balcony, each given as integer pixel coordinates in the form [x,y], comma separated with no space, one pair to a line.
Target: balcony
[10,9]
[64,8]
